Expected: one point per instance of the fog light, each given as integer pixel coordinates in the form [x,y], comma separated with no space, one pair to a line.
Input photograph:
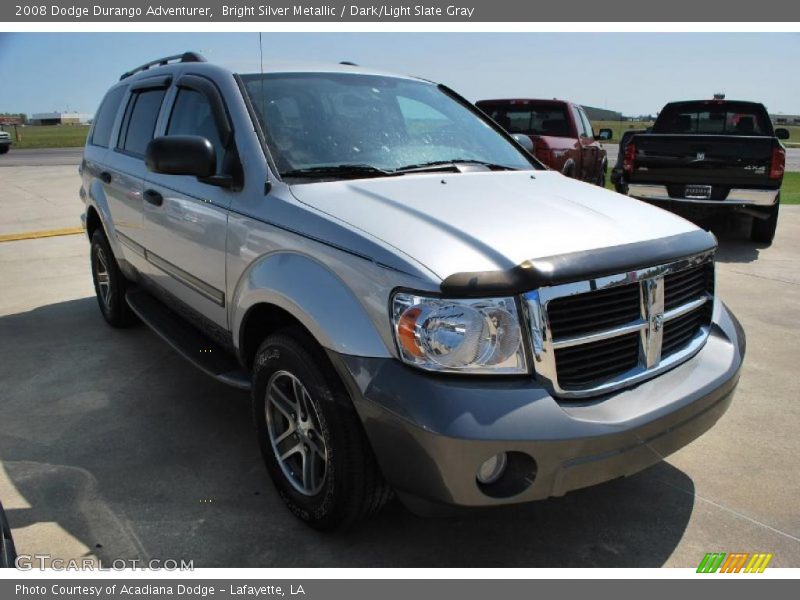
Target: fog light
[491,470]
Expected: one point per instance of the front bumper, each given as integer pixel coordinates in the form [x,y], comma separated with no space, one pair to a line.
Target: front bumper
[431,433]
[735,197]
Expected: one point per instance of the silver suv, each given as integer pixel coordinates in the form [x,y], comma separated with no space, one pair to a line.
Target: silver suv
[416,305]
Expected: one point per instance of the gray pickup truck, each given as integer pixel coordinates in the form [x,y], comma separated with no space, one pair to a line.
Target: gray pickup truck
[415,304]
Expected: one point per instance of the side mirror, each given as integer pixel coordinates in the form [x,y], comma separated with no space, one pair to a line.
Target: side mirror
[181,155]
[781,133]
[605,135]
[524,141]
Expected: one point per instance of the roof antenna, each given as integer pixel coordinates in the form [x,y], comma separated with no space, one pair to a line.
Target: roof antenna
[347,62]
[261,57]
[267,183]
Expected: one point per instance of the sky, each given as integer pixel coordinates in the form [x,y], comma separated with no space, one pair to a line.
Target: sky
[632,73]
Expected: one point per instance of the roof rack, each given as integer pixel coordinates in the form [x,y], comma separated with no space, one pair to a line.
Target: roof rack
[186,57]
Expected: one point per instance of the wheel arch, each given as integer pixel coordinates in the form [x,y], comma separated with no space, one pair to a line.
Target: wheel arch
[93,221]
[288,288]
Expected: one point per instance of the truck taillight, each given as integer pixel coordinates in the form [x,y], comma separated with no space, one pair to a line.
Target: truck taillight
[629,160]
[778,163]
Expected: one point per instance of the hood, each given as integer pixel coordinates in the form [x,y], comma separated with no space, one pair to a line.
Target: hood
[487,221]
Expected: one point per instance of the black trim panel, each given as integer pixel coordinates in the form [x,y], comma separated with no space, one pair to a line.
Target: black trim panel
[577,266]
[152,83]
[209,89]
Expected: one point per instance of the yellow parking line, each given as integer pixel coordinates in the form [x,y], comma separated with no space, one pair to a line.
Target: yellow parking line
[32,235]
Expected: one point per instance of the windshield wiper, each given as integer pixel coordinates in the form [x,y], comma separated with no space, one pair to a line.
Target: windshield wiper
[356,170]
[441,165]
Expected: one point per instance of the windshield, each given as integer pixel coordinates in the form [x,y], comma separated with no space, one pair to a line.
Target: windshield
[316,120]
[714,117]
[529,119]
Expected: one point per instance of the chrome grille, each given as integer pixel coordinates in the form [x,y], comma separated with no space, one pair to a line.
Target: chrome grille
[594,336]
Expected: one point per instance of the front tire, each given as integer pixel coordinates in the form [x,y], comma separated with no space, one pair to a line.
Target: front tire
[763,230]
[311,437]
[110,284]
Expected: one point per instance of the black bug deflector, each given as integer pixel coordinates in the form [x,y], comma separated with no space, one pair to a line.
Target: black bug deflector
[576,266]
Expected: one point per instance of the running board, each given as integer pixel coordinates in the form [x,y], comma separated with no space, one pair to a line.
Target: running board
[201,351]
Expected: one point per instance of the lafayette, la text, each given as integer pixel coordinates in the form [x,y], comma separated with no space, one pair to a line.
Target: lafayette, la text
[383,11]
[155,589]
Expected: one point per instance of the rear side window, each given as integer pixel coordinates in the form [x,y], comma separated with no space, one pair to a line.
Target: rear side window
[140,119]
[714,118]
[192,115]
[104,119]
[538,119]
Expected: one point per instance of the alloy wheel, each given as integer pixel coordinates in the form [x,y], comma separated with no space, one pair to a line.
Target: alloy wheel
[103,280]
[295,434]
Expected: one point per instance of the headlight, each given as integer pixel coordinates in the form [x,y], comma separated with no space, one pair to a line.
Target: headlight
[459,336]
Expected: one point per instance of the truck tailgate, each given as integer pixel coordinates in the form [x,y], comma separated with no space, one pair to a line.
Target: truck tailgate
[725,160]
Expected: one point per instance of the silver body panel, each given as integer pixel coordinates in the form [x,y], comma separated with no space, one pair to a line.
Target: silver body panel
[484,221]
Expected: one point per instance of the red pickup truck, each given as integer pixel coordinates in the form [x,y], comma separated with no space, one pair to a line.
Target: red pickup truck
[562,136]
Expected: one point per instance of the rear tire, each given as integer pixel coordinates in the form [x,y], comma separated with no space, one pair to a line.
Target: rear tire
[601,179]
[110,284]
[763,230]
[310,436]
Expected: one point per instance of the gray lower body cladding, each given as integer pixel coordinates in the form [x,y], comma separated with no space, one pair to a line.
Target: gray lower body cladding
[431,433]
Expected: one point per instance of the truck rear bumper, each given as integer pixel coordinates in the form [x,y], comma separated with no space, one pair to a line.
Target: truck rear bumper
[431,434]
[736,197]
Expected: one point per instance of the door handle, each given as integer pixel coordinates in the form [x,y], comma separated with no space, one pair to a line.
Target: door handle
[153,197]
[105,177]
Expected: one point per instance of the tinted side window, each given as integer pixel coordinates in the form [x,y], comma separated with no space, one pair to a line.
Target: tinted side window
[579,124]
[587,126]
[192,115]
[139,123]
[104,119]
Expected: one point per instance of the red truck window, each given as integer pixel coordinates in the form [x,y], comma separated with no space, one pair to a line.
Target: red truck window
[548,119]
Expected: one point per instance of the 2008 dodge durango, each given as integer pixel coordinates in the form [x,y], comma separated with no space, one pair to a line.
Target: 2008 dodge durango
[415,303]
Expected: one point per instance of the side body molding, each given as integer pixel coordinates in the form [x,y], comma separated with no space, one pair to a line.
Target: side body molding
[315,296]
